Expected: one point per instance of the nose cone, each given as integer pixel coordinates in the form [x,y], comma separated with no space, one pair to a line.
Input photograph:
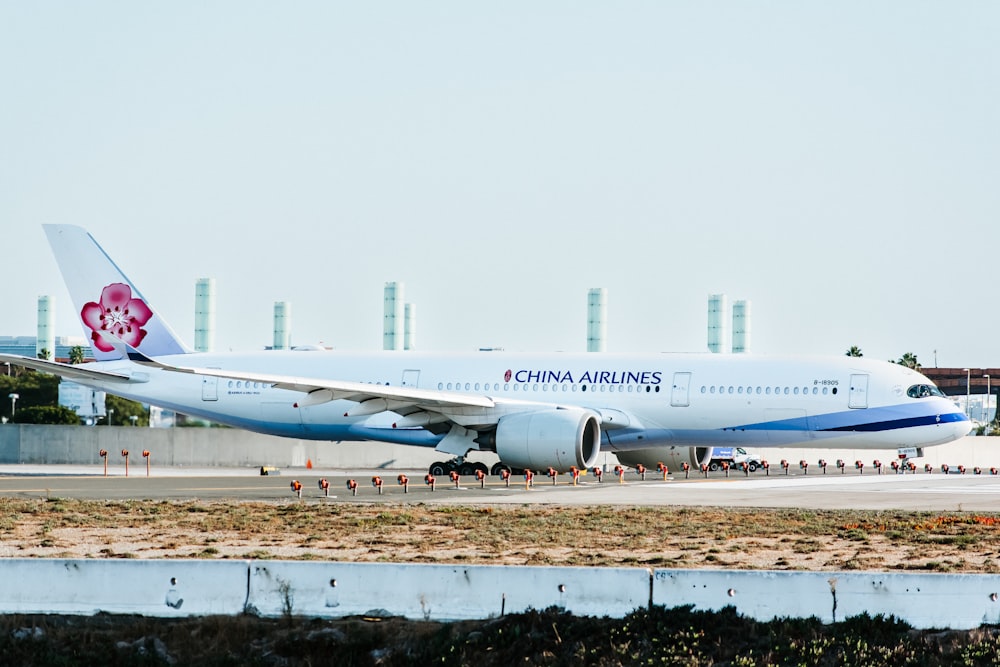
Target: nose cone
[956,422]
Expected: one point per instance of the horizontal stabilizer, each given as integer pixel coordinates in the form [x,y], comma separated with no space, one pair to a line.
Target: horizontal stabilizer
[69,371]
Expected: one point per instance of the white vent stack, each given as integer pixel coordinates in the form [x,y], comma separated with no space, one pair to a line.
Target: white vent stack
[597,320]
[204,315]
[741,326]
[392,320]
[46,339]
[282,325]
[410,327]
[718,330]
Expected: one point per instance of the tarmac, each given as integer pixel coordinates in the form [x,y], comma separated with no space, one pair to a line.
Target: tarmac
[934,491]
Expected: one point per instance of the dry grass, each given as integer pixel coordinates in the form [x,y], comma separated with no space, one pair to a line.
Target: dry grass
[537,535]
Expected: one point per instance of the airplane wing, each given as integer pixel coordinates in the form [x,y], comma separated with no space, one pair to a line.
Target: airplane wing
[321,391]
[82,373]
[460,408]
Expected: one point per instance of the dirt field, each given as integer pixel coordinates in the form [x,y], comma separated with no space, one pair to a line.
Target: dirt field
[537,535]
[641,536]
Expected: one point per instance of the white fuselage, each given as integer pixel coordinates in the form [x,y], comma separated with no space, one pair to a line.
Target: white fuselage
[644,401]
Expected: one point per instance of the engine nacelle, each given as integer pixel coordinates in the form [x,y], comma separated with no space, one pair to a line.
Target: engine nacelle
[672,457]
[559,439]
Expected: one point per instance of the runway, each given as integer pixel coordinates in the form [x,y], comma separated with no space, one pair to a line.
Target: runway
[920,491]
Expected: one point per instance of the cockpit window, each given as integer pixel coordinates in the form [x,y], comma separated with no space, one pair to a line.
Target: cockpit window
[923,391]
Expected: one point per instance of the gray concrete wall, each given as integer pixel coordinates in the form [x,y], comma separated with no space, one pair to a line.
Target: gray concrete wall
[205,447]
[202,447]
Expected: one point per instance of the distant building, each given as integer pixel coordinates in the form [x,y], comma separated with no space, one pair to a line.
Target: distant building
[26,346]
[87,403]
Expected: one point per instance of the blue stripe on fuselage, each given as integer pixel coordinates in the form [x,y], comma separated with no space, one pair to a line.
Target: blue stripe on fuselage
[886,418]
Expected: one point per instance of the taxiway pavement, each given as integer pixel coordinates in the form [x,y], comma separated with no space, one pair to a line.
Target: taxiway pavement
[912,491]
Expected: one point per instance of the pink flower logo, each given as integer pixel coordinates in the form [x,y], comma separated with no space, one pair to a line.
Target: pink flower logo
[507,376]
[118,314]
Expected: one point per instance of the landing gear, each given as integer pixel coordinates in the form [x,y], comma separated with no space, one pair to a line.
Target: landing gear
[498,469]
[459,465]
[439,469]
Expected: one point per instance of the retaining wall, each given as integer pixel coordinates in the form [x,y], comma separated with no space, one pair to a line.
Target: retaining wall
[454,592]
[205,447]
[957,601]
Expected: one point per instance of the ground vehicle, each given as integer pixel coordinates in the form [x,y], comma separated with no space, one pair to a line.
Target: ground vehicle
[734,456]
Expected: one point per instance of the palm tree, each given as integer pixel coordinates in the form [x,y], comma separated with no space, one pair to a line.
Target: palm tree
[910,361]
[854,351]
[76,355]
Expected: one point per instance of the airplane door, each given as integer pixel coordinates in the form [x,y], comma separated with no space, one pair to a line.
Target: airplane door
[411,378]
[209,388]
[858,398]
[679,394]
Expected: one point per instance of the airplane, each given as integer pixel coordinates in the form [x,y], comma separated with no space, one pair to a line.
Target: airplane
[534,411]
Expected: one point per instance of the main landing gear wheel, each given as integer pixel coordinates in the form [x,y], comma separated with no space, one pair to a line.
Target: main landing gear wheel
[463,468]
[498,469]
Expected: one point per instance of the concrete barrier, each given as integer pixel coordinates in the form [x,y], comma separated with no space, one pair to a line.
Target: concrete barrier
[458,592]
[442,592]
[146,587]
[956,601]
[205,447]
[40,444]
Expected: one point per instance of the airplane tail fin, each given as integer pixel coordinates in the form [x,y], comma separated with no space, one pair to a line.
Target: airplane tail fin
[106,301]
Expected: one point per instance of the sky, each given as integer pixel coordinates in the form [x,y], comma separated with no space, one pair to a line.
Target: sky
[836,164]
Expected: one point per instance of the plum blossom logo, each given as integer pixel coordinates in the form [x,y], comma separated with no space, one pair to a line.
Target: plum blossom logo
[507,376]
[118,314]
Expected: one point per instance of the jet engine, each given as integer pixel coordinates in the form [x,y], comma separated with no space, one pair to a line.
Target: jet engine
[560,438]
[672,457]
